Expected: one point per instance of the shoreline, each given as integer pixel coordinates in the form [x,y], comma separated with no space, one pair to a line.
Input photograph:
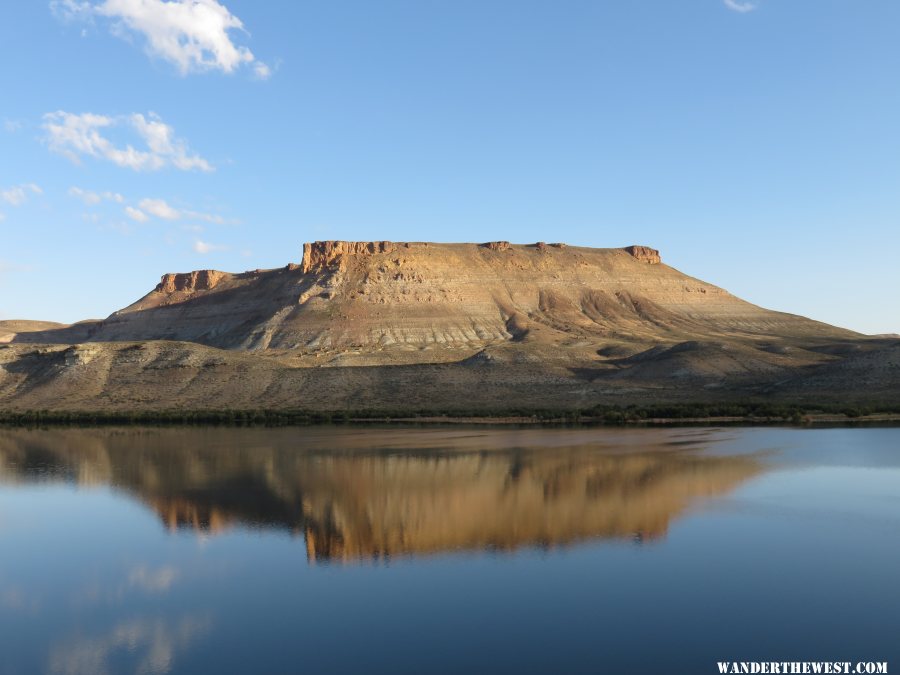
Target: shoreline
[809,420]
[630,417]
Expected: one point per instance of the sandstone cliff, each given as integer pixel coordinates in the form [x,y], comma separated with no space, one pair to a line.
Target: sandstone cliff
[199,280]
[321,254]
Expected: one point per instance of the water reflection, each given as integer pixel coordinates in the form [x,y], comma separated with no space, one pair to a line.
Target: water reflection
[137,645]
[356,495]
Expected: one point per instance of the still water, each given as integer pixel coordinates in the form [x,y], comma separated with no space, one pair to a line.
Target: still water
[345,550]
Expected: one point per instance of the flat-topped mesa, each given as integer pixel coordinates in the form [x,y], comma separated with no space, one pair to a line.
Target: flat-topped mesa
[198,280]
[644,254]
[321,254]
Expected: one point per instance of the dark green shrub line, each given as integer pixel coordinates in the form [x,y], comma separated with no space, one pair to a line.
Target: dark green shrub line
[748,412]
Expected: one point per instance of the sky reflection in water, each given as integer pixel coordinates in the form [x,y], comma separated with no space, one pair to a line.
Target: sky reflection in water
[401,550]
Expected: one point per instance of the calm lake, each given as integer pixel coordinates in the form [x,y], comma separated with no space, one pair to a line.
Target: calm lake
[435,550]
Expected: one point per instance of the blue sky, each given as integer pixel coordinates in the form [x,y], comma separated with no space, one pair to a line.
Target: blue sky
[757,144]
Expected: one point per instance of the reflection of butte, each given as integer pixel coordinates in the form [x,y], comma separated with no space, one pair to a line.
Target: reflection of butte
[355,506]
[396,506]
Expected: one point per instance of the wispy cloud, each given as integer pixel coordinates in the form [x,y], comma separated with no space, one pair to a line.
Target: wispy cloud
[18,194]
[739,6]
[12,126]
[93,198]
[142,211]
[159,208]
[204,247]
[193,35]
[136,214]
[77,135]
[262,71]
[89,198]
[162,209]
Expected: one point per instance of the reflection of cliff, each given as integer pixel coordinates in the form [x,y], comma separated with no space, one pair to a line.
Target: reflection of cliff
[418,492]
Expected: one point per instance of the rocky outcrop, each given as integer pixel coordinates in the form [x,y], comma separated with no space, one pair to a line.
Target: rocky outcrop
[198,280]
[497,245]
[644,254]
[321,254]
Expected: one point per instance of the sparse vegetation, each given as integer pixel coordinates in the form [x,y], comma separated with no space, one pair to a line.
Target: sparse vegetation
[602,415]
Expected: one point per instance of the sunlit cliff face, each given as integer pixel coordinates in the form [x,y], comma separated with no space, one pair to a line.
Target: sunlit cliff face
[418,492]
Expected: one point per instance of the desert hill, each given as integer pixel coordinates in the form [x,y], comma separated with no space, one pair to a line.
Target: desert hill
[9,329]
[435,326]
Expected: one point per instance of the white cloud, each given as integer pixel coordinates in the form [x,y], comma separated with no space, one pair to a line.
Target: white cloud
[142,212]
[75,135]
[194,35]
[12,126]
[14,196]
[136,214]
[2,217]
[69,10]
[93,198]
[262,71]
[89,198]
[204,247]
[18,194]
[159,208]
[738,6]
[160,139]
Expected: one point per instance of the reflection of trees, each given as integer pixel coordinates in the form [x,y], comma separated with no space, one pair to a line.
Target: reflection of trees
[419,492]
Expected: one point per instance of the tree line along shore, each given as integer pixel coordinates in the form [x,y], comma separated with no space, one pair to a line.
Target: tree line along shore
[604,415]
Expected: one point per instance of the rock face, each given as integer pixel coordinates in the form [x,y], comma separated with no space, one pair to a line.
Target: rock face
[645,254]
[440,326]
[320,254]
[199,280]
[497,245]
